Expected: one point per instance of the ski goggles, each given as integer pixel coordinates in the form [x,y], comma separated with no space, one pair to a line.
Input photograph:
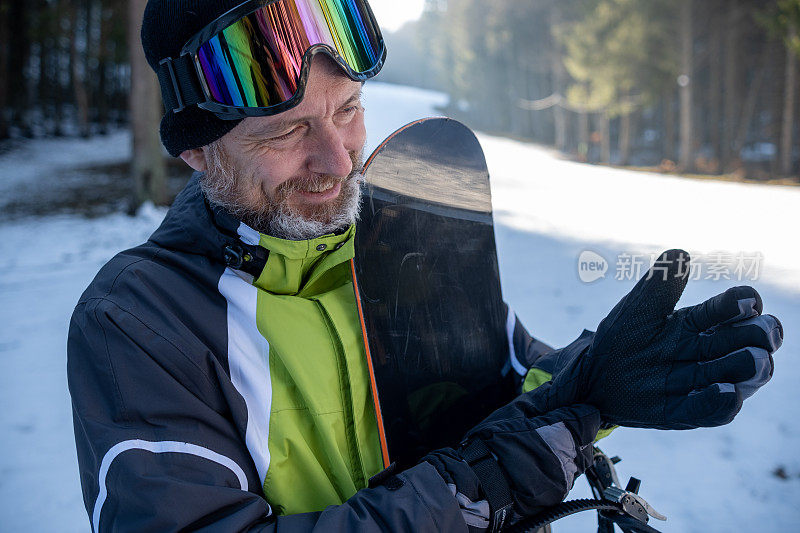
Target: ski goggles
[254,60]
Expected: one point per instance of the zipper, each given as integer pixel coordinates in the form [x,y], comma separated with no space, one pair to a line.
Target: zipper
[356,462]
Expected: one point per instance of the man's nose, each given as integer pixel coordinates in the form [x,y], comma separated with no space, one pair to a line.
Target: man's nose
[329,155]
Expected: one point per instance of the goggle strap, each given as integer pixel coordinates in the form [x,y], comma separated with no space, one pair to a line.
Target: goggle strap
[180,87]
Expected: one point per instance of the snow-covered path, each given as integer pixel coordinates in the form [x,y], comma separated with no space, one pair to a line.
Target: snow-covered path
[548,211]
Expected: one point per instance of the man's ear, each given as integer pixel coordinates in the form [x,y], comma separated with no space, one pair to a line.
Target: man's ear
[196,159]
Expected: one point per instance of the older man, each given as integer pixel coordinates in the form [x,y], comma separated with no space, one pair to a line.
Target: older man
[218,371]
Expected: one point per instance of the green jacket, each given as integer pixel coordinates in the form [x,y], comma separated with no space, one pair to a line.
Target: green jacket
[322,425]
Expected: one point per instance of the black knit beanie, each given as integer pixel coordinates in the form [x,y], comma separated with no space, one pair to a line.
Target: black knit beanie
[166,27]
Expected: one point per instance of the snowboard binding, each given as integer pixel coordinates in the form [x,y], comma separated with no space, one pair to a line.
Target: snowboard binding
[614,505]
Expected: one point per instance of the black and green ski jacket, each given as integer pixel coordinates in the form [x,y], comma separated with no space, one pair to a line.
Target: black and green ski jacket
[209,398]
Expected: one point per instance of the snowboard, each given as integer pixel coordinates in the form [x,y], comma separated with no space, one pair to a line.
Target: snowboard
[428,289]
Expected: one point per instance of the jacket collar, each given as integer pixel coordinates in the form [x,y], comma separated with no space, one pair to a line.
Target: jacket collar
[193,226]
[297,267]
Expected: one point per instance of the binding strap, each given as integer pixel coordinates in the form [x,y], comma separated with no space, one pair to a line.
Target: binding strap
[492,480]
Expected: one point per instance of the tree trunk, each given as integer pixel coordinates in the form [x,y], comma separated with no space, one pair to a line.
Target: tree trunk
[685,82]
[560,127]
[605,138]
[625,138]
[48,65]
[102,69]
[669,126]
[731,84]
[78,68]
[715,90]
[583,135]
[44,86]
[5,43]
[19,35]
[507,64]
[89,61]
[751,100]
[530,121]
[559,77]
[789,94]
[147,167]
[61,51]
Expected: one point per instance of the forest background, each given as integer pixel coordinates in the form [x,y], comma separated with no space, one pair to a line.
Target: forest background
[704,87]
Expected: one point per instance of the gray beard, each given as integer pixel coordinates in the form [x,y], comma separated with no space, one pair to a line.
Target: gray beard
[271,214]
[285,224]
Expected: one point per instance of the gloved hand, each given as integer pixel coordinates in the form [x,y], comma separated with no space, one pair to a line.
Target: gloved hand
[650,366]
[519,460]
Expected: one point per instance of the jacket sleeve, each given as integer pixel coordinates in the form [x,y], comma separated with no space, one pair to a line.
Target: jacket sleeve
[158,448]
[531,359]
[539,360]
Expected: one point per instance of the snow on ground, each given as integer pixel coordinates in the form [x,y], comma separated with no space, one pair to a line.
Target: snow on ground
[44,266]
[31,166]
[548,211]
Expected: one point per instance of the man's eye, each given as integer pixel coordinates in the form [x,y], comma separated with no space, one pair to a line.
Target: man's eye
[286,135]
[346,114]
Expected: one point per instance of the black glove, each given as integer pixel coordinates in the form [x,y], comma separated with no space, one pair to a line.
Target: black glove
[650,366]
[518,461]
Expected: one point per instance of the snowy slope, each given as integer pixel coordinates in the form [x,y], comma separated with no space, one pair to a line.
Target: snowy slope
[548,211]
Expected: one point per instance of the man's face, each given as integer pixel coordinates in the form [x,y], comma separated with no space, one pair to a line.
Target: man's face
[293,175]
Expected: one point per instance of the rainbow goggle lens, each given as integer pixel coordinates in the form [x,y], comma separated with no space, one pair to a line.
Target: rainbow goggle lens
[254,59]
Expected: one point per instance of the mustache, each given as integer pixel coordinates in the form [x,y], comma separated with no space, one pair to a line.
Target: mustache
[322,181]
[309,183]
